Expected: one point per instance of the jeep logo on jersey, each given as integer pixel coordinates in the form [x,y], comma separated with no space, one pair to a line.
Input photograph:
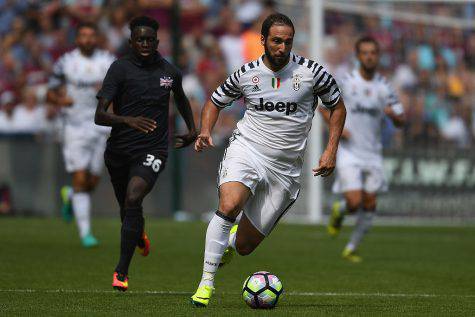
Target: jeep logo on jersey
[288,107]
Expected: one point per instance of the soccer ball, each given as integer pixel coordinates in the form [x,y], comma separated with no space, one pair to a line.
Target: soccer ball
[262,290]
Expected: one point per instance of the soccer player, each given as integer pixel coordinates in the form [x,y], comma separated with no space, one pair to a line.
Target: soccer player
[76,77]
[261,168]
[369,98]
[139,86]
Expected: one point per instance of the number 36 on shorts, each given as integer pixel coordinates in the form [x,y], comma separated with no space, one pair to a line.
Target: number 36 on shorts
[155,163]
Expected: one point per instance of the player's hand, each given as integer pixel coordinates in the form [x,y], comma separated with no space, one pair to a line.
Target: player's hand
[184,140]
[326,164]
[66,101]
[143,124]
[203,141]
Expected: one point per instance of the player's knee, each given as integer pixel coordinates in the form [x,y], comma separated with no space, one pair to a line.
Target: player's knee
[244,248]
[353,205]
[370,206]
[229,207]
[133,198]
[80,182]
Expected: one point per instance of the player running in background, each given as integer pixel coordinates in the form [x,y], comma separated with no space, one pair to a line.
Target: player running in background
[139,86]
[261,168]
[76,78]
[368,98]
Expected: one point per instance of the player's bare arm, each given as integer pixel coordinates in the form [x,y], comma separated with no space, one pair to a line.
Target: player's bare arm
[336,123]
[345,134]
[183,106]
[105,118]
[399,120]
[209,116]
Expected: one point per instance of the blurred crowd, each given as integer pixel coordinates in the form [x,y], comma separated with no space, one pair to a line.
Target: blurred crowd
[432,68]
[217,37]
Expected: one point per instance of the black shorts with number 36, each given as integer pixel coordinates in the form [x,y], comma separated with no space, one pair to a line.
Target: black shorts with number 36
[122,167]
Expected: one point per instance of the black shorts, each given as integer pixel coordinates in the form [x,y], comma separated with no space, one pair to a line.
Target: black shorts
[123,167]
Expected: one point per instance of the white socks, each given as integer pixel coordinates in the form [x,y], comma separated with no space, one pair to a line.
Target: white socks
[217,239]
[232,240]
[82,212]
[363,224]
[342,207]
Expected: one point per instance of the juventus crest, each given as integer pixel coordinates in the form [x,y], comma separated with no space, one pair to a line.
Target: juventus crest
[296,79]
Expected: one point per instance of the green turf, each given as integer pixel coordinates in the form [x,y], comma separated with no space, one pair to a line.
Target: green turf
[429,271]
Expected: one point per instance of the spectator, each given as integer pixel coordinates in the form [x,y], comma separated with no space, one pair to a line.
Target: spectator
[29,117]
[231,45]
[7,103]
[83,10]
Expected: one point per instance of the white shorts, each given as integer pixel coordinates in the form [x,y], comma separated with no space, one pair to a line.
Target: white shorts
[353,177]
[272,194]
[83,149]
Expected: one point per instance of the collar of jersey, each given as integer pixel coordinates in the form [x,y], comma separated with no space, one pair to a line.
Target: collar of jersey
[280,70]
[357,73]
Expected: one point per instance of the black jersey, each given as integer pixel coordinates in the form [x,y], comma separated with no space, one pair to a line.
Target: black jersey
[139,88]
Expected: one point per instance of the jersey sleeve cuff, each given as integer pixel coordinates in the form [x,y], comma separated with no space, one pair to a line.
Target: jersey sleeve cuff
[101,94]
[218,103]
[332,103]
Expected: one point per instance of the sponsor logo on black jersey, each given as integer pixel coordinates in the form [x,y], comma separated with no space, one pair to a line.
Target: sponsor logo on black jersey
[166,82]
[280,106]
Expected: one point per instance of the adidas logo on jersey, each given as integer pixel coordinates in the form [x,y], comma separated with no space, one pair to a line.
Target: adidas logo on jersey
[256,88]
[288,107]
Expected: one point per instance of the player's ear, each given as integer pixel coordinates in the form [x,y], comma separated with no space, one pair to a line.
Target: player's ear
[263,40]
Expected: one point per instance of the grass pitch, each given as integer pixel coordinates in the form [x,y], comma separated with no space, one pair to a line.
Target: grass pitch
[415,271]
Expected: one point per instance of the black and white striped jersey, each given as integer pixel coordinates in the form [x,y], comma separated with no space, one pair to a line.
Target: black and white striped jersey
[365,101]
[279,107]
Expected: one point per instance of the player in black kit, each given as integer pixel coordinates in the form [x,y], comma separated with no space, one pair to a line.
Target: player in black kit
[139,85]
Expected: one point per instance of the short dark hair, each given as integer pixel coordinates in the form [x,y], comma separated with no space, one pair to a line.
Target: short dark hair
[144,21]
[366,39]
[87,25]
[275,18]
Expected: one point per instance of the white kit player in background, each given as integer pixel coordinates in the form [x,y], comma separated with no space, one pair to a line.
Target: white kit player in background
[368,98]
[261,168]
[73,86]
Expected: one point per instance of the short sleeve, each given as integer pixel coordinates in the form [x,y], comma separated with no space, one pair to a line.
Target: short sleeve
[325,87]
[111,83]
[57,78]
[228,91]
[177,80]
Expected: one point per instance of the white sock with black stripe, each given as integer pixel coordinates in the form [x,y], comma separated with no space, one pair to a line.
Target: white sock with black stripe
[217,239]
[364,222]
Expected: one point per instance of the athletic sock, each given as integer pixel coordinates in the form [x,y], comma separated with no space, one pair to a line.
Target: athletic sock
[217,238]
[363,224]
[232,240]
[342,207]
[131,232]
[82,212]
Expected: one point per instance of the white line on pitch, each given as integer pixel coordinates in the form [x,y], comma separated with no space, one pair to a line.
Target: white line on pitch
[316,294]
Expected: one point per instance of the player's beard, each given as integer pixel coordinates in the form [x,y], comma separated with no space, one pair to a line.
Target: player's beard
[87,50]
[274,61]
[369,69]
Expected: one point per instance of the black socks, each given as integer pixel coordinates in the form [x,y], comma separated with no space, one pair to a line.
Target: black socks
[131,233]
